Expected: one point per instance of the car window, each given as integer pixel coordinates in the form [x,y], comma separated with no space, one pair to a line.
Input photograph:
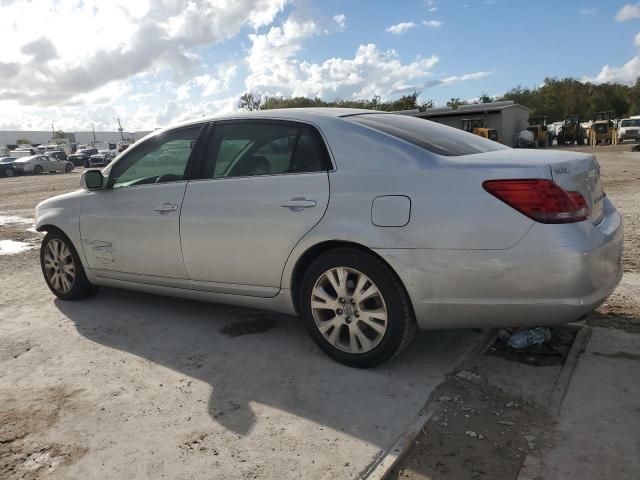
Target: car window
[426,134]
[159,160]
[253,149]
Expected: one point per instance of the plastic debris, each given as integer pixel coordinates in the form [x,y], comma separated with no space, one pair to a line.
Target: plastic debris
[528,338]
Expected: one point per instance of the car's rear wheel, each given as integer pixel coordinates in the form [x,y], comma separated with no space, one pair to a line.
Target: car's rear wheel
[356,308]
[37,170]
[62,268]
[68,167]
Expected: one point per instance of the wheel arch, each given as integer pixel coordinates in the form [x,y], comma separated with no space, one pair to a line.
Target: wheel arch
[313,252]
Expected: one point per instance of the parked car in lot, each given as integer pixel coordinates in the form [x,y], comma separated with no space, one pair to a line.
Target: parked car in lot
[368,225]
[37,164]
[81,157]
[6,167]
[102,158]
[56,154]
[629,129]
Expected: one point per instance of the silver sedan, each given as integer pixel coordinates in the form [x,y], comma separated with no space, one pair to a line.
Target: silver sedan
[38,164]
[367,225]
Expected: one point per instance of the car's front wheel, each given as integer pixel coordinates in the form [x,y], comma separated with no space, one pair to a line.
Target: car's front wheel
[356,308]
[9,172]
[68,167]
[62,268]
[37,170]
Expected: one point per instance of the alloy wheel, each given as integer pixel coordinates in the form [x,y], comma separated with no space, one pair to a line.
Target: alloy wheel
[349,310]
[59,266]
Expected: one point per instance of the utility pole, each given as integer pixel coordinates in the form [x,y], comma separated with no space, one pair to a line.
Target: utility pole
[53,132]
[94,133]
[120,129]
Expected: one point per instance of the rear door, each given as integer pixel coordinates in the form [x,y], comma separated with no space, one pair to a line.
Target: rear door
[263,186]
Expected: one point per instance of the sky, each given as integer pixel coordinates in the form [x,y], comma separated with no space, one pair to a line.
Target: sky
[152,63]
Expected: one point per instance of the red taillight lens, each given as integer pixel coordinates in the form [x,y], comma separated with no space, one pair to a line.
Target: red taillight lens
[540,199]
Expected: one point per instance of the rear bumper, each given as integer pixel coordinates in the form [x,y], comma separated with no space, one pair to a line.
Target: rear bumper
[555,274]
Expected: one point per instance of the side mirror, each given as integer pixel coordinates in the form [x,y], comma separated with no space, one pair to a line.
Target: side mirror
[91,180]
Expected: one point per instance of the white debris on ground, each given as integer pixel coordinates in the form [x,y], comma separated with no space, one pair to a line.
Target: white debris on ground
[8,219]
[12,247]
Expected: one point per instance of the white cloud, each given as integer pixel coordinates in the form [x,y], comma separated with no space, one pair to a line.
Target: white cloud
[432,23]
[466,76]
[628,12]
[73,47]
[588,11]
[400,28]
[274,67]
[627,73]
[433,9]
[340,21]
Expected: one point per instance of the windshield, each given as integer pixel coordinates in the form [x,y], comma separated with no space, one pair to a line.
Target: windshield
[634,122]
[431,136]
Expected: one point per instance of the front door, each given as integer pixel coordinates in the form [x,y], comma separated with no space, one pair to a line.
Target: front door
[130,230]
[267,186]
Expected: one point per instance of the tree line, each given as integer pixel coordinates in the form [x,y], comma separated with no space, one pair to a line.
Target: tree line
[556,98]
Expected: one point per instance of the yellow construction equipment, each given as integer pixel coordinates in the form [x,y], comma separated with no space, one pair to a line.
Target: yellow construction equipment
[602,130]
[538,126]
[476,126]
[571,131]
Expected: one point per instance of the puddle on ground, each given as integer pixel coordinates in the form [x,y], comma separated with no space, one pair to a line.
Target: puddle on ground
[8,219]
[260,324]
[12,247]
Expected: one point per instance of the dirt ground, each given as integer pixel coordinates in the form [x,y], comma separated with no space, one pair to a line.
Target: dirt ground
[115,388]
[128,385]
[490,420]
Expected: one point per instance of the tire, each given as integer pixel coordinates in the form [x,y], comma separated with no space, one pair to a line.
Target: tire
[37,170]
[68,167]
[56,253]
[9,172]
[369,346]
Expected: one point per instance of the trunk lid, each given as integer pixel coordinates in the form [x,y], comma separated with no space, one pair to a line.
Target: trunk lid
[573,171]
[581,174]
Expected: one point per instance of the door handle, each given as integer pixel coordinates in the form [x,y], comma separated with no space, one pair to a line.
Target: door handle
[166,208]
[298,204]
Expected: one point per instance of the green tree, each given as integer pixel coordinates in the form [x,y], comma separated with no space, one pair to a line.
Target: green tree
[23,141]
[454,103]
[250,101]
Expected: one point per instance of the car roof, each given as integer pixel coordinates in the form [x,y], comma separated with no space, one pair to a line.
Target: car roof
[299,114]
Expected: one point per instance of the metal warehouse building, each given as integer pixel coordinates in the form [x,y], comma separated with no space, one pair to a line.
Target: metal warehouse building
[507,118]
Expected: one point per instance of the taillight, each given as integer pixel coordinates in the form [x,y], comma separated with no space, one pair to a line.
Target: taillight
[540,199]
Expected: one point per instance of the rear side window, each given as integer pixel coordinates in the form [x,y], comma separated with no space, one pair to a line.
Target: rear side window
[246,149]
[431,136]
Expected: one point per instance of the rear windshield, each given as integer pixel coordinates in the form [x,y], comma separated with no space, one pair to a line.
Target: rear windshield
[429,135]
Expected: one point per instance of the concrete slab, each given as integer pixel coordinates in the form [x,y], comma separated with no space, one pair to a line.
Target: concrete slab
[128,385]
[598,433]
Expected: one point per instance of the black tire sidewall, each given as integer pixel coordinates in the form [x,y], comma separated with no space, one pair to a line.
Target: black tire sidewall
[393,298]
[81,286]
[37,170]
